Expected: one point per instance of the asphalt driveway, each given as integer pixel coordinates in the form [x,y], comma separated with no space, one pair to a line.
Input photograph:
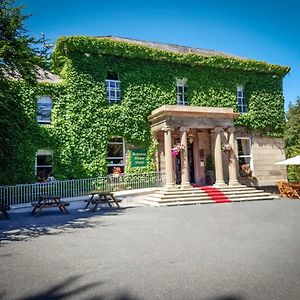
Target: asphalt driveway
[235,251]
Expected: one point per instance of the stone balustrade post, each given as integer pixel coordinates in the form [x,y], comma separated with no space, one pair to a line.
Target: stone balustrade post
[170,182]
[232,159]
[185,178]
[218,157]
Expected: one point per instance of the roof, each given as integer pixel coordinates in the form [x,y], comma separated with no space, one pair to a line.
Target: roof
[138,49]
[46,76]
[171,47]
[41,76]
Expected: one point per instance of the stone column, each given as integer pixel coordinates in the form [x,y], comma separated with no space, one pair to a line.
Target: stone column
[218,157]
[185,178]
[232,158]
[196,158]
[168,157]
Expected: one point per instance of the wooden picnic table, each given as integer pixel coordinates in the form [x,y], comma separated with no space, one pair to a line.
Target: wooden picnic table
[49,201]
[296,187]
[289,190]
[98,197]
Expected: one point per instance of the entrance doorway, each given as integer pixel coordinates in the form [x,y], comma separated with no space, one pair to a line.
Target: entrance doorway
[190,163]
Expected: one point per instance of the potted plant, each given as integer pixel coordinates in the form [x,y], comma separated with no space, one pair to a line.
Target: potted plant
[245,171]
[117,171]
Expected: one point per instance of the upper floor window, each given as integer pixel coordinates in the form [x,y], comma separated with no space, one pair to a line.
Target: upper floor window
[44,107]
[43,165]
[113,88]
[115,154]
[242,105]
[181,92]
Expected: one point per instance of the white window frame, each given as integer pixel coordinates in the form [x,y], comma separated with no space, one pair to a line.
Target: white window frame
[241,101]
[182,97]
[42,152]
[115,157]
[113,90]
[45,99]
[248,155]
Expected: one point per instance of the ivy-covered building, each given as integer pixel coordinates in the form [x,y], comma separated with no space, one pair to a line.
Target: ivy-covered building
[135,106]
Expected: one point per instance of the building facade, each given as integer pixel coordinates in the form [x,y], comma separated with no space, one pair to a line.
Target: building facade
[123,105]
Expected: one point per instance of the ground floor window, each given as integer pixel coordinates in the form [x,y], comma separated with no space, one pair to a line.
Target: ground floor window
[115,155]
[43,165]
[245,157]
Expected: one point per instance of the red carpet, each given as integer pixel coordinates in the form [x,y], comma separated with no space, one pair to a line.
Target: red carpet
[215,194]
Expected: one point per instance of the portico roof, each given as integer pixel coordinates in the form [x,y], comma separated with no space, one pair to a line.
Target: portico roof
[199,117]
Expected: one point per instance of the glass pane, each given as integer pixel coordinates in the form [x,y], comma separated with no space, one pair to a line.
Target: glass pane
[115,161]
[118,84]
[44,110]
[112,84]
[244,147]
[115,150]
[116,139]
[118,95]
[112,94]
[44,160]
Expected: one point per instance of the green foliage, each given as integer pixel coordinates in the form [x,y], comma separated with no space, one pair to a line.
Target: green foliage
[20,53]
[20,136]
[83,120]
[82,44]
[292,138]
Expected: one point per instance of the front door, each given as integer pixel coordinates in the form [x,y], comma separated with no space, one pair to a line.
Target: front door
[191,163]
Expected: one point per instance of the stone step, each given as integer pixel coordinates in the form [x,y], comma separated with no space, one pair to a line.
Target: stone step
[199,191]
[192,202]
[197,198]
[203,194]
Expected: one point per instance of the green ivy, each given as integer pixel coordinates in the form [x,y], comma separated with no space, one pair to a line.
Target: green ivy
[83,121]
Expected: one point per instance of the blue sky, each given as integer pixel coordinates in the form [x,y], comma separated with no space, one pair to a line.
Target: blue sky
[262,30]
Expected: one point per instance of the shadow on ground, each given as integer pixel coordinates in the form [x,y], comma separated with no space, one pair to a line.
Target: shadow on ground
[23,225]
[71,287]
[228,297]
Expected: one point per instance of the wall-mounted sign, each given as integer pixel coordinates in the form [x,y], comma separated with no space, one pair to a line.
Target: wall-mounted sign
[138,157]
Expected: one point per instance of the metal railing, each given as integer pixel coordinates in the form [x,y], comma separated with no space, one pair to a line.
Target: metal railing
[26,193]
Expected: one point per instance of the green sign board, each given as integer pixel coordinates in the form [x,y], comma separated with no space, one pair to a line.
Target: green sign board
[138,157]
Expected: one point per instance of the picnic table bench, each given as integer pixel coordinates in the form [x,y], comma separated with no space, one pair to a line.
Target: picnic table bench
[98,197]
[49,201]
[3,209]
[289,190]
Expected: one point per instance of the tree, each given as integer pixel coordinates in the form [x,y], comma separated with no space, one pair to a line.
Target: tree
[292,138]
[20,54]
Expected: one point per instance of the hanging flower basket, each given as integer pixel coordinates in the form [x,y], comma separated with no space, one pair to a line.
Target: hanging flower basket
[117,171]
[176,150]
[226,147]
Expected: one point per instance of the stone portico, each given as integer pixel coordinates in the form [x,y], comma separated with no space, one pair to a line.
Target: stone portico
[186,124]
[199,132]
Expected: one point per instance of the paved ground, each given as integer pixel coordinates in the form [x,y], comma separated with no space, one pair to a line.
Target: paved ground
[234,251]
